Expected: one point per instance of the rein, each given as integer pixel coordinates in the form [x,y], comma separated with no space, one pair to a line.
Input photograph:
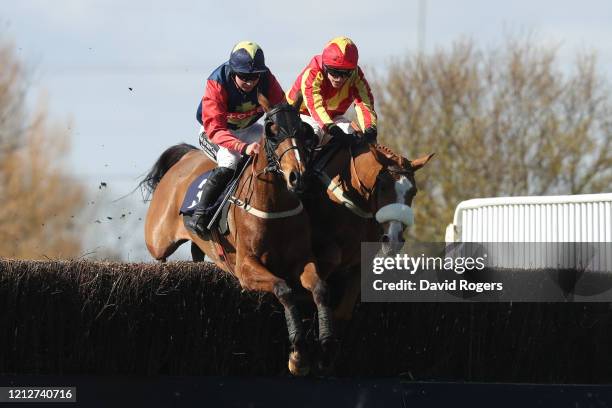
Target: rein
[272,142]
[363,189]
[341,194]
[272,159]
[333,187]
[273,166]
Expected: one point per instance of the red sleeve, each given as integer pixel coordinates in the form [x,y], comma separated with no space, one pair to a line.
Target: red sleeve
[364,102]
[214,117]
[275,91]
[312,80]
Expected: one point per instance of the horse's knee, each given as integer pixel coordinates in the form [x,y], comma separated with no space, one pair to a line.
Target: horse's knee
[283,292]
[246,282]
[254,282]
[320,293]
[309,278]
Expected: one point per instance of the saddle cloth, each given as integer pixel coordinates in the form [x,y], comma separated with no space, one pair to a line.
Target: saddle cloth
[193,196]
[194,193]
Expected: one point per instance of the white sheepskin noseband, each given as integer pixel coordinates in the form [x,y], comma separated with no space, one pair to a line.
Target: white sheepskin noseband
[395,212]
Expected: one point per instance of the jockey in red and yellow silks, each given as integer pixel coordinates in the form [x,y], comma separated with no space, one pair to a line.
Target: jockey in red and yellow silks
[330,84]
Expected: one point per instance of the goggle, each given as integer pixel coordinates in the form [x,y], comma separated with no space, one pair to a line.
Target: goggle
[339,73]
[248,77]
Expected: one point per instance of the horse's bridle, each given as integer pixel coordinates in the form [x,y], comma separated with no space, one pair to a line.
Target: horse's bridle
[385,171]
[288,130]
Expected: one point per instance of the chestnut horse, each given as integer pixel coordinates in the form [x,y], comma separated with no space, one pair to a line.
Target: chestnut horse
[268,247]
[366,196]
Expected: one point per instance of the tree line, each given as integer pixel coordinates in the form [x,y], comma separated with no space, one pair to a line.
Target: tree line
[41,201]
[503,122]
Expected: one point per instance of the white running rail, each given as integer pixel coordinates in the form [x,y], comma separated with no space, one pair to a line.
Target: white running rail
[581,221]
[571,218]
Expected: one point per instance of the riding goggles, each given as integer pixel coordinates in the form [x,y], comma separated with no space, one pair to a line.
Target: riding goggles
[339,73]
[246,77]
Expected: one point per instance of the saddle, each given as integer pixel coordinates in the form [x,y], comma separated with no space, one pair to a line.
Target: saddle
[194,193]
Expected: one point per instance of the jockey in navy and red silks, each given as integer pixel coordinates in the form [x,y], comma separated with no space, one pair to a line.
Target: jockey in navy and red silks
[228,113]
[226,106]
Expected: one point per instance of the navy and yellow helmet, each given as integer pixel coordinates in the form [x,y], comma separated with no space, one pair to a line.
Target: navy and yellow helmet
[247,58]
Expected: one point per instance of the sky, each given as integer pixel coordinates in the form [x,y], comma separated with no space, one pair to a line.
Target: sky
[85,55]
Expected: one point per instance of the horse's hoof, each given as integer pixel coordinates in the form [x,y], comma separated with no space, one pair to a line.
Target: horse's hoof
[298,366]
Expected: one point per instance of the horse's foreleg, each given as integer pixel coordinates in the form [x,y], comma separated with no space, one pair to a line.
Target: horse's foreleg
[321,296]
[254,276]
[197,255]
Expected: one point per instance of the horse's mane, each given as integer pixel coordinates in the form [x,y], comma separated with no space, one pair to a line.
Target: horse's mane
[390,154]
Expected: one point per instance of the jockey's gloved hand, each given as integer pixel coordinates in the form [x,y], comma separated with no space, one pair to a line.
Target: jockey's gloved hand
[252,149]
[309,136]
[370,134]
[338,135]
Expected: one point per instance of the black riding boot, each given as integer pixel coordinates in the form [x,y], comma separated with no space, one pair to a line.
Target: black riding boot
[215,184]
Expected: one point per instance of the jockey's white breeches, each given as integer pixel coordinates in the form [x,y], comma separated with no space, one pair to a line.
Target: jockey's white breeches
[230,158]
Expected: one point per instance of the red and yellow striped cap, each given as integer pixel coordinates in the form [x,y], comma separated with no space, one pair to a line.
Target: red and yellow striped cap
[340,53]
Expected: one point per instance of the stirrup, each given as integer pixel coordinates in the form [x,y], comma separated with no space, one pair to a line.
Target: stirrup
[200,226]
[192,222]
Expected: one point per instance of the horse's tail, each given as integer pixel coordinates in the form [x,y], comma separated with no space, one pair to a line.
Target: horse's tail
[167,159]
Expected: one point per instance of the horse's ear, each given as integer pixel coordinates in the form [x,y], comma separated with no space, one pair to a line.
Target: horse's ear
[297,104]
[270,129]
[421,161]
[263,101]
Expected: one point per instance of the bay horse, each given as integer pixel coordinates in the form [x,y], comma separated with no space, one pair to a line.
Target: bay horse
[365,194]
[268,247]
